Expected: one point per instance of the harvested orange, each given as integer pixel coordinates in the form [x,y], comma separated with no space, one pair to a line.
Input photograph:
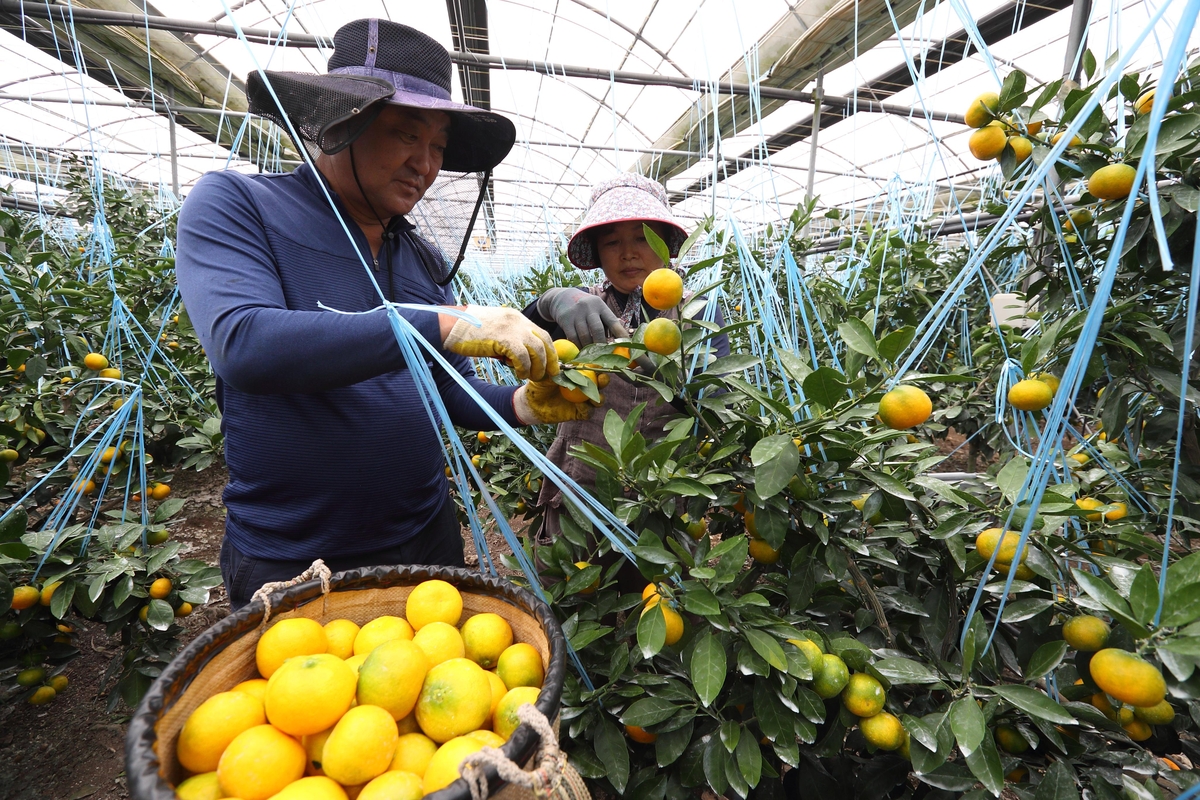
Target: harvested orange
[297,636]
[260,763]
[308,694]
[213,725]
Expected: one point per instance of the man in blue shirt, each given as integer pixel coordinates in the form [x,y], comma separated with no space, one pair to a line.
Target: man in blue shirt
[331,453]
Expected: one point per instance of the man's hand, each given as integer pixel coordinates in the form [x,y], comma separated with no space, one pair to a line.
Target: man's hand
[585,318]
[505,334]
[541,403]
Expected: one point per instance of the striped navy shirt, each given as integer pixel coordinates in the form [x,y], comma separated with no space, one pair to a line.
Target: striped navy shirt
[329,448]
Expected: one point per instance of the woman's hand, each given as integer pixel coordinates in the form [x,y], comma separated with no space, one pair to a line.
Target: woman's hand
[585,318]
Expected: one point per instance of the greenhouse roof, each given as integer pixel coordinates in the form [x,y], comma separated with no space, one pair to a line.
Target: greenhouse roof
[81,89]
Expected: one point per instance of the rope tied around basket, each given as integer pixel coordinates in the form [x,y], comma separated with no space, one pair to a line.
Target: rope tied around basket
[543,780]
[317,570]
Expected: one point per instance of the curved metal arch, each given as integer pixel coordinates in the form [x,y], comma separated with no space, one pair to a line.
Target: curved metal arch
[635,34]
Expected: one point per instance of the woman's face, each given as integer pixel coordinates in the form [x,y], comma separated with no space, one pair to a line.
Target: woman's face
[625,255]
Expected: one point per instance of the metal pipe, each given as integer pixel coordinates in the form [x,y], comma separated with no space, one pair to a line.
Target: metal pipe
[1081,13]
[174,149]
[816,129]
[76,15]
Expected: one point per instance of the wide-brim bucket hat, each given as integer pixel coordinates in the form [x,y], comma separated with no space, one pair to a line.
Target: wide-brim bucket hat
[374,63]
[625,198]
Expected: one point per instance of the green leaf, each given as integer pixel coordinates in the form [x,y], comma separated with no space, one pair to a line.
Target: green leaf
[889,484]
[858,337]
[61,601]
[1045,659]
[749,760]
[769,447]
[168,508]
[670,745]
[968,723]
[652,631]
[984,764]
[1143,595]
[613,751]
[1057,784]
[649,711]
[737,362]
[1022,610]
[160,615]
[768,647]
[1099,590]
[900,671]
[1012,477]
[1033,702]
[657,244]
[1181,606]
[772,477]
[708,667]
[688,487]
[893,345]
[701,601]
[13,525]
[826,386]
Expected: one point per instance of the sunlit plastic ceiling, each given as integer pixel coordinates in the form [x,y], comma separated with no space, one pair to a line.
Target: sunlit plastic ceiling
[574,132]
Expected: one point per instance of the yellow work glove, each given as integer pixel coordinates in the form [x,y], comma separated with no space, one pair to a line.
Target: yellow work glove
[540,402]
[506,334]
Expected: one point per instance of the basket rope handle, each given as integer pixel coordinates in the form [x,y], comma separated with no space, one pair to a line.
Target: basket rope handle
[317,570]
[542,780]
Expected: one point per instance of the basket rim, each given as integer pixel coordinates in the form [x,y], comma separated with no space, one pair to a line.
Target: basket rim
[142,763]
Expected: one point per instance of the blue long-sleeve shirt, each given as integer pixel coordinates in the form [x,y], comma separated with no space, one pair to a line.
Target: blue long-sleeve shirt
[329,448]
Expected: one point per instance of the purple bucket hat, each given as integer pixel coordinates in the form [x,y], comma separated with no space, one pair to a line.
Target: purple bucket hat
[624,198]
[377,62]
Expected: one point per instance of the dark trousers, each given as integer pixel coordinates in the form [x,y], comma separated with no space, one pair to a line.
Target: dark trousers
[439,544]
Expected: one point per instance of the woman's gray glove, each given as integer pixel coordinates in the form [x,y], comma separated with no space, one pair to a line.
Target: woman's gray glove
[584,318]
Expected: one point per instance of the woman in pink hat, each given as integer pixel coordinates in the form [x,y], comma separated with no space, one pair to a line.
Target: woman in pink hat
[611,239]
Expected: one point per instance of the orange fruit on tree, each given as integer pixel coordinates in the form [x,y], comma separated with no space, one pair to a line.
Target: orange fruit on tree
[1022,148]
[672,618]
[1010,739]
[1113,182]
[485,637]
[762,552]
[521,665]
[443,768]
[982,110]
[455,698]
[297,636]
[905,407]
[48,592]
[42,695]
[650,591]
[160,491]
[308,694]
[1075,140]
[1161,714]
[1138,730]
[24,597]
[1030,395]
[1128,678]
[566,349]
[988,142]
[575,394]
[864,695]
[662,336]
[505,719]
[1086,633]
[112,373]
[259,763]
[663,289]
[361,746]
[993,540]
[160,588]
[883,731]
[1088,504]
[1117,511]
[1144,103]
[640,735]
[832,677]
[95,361]
[433,601]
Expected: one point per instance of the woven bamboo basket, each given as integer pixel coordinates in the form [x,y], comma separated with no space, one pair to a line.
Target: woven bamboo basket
[223,656]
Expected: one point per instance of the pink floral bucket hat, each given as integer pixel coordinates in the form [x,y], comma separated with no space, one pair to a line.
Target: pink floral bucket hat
[622,199]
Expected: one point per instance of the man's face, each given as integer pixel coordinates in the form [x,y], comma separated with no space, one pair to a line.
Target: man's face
[399,157]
